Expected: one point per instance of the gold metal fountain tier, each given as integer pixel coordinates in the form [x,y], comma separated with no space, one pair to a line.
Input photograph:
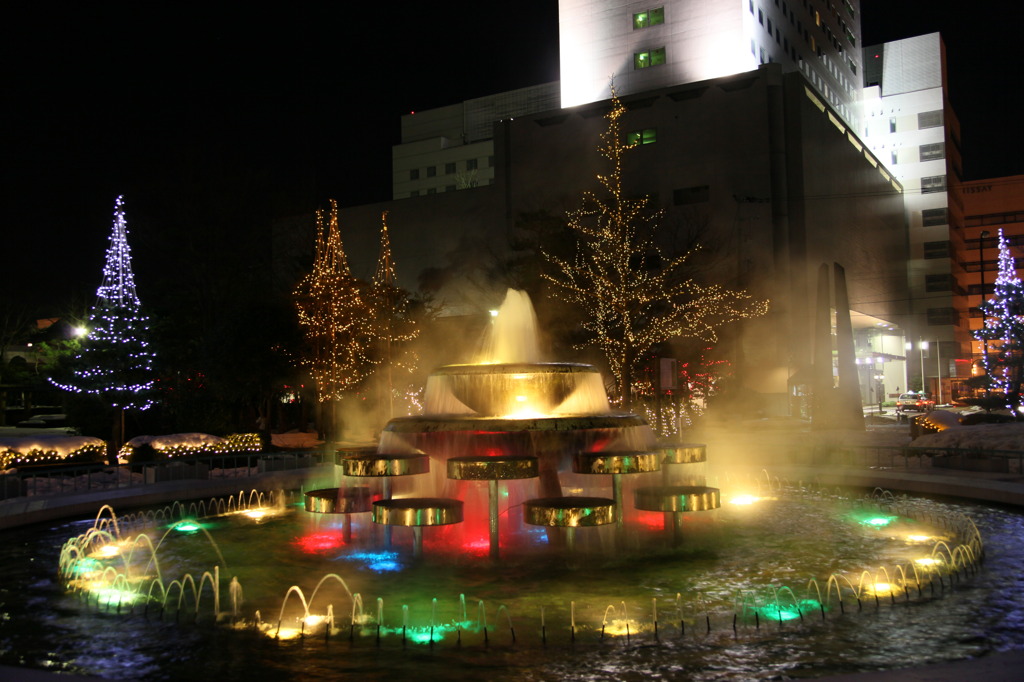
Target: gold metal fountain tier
[384,464]
[685,453]
[417,512]
[569,512]
[351,500]
[492,470]
[430,424]
[682,498]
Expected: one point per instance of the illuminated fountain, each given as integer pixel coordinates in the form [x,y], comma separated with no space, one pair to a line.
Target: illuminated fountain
[543,437]
[603,539]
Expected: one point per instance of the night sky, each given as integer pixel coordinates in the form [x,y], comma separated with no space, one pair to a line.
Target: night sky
[295,105]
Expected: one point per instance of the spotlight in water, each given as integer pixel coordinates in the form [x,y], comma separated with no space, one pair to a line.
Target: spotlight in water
[927,561]
[918,538]
[187,526]
[108,551]
[316,543]
[254,514]
[745,499]
[311,621]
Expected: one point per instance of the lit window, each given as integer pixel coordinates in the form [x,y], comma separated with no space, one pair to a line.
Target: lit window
[931,152]
[933,183]
[651,17]
[645,136]
[642,60]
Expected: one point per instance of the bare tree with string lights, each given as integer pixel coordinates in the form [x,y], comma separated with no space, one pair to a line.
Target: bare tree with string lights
[1004,330]
[116,363]
[335,319]
[632,296]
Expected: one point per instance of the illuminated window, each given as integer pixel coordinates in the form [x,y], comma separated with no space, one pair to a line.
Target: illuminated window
[645,136]
[651,17]
[933,183]
[642,60]
[931,152]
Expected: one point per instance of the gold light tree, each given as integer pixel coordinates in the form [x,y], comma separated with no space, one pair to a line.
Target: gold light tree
[335,319]
[392,327]
[633,297]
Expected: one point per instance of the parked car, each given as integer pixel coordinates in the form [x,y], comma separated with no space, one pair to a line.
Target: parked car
[914,402]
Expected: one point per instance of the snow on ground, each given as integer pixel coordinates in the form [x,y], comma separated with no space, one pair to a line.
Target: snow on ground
[178,440]
[978,437]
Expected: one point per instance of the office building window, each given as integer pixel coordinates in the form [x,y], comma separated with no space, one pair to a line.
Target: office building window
[933,183]
[892,125]
[490,162]
[929,119]
[895,156]
[691,195]
[449,188]
[449,168]
[645,136]
[931,152]
[932,217]
[934,250]
[432,190]
[414,174]
[651,17]
[642,60]
[471,164]
[431,171]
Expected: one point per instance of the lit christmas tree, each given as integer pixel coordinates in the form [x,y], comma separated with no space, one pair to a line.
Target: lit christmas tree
[392,328]
[1004,329]
[335,319]
[633,297]
[115,362]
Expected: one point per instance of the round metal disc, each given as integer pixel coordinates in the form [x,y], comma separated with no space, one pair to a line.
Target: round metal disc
[338,500]
[492,468]
[677,498]
[569,511]
[685,453]
[384,464]
[417,511]
[625,462]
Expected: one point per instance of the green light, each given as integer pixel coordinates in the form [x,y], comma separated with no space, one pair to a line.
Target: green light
[187,526]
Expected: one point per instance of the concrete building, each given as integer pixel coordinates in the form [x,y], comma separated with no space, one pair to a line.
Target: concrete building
[912,130]
[988,207]
[647,45]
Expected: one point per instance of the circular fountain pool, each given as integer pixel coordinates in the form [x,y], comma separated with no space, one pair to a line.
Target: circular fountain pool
[722,603]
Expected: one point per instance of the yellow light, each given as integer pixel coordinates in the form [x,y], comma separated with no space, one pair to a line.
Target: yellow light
[882,589]
[108,551]
[745,499]
[313,621]
[918,538]
[520,398]
[254,514]
[926,561]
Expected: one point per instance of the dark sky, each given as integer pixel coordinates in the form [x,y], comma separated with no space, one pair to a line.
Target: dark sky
[162,98]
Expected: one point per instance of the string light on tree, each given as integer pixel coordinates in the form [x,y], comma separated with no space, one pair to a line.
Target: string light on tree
[634,297]
[116,362]
[334,316]
[1004,329]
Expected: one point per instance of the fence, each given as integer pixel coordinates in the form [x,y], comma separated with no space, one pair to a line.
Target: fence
[907,457]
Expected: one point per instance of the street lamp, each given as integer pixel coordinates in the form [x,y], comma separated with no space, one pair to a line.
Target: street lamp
[981,304]
[922,346]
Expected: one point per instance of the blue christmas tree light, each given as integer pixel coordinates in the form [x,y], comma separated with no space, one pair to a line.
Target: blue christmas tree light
[1004,329]
[116,363]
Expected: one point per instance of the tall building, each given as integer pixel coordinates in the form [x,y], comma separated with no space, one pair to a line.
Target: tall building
[910,127]
[642,46]
[988,206]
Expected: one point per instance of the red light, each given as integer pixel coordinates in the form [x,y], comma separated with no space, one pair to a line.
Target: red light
[316,543]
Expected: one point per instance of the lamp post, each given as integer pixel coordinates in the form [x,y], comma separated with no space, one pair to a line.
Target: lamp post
[922,346]
[981,304]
